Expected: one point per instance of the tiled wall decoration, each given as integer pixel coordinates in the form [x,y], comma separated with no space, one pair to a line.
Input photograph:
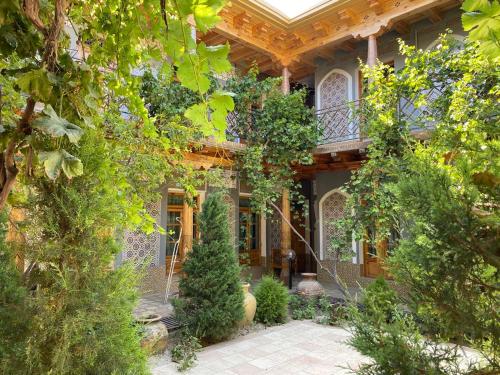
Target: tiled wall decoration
[139,247]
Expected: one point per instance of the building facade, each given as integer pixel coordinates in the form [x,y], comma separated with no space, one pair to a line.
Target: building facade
[322,49]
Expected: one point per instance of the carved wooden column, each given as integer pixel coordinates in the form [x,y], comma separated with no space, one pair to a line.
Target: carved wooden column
[187,229]
[372,51]
[286,233]
[285,83]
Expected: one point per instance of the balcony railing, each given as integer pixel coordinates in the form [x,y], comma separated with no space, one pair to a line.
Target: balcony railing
[339,123]
[343,123]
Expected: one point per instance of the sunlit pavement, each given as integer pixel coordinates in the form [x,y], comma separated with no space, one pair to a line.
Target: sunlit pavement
[298,347]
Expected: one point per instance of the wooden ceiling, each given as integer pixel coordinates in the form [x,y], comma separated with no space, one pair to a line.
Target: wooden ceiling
[259,34]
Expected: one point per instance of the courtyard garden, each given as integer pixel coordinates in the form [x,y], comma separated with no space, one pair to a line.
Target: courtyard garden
[104,103]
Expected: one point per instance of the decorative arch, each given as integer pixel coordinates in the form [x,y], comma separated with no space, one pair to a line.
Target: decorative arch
[328,93]
[331,206]
[435,42]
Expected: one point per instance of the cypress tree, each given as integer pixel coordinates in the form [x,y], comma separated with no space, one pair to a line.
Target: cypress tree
[212,301]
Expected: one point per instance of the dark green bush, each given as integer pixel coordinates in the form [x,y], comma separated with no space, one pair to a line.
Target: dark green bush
[302,308]
[272,301]
[14,320]
[78,310]
[212,297]
[391,337]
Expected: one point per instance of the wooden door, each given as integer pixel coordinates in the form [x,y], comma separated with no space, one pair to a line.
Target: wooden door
[297,244]
[177,209]
[374,256]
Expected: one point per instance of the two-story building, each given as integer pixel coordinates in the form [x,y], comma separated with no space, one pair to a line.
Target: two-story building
[318,44]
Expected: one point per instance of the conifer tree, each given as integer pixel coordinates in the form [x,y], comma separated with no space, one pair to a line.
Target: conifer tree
[212,301]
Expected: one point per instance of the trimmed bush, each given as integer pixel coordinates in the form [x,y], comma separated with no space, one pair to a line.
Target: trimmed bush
[212,303]
[272,301]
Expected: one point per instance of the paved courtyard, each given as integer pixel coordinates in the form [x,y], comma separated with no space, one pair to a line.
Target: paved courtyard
[298,347]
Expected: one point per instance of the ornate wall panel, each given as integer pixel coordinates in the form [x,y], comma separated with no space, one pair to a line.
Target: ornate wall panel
[231,216]
[139,247]
[333,208]
[276,229]
[334,91]
[335,112]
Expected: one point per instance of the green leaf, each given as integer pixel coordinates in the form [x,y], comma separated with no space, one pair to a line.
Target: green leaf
[482,19]
[192,75]
[54,161]
[36,83]
[71,165]
[56,126]
[215,56]
[206,17]
[198,114]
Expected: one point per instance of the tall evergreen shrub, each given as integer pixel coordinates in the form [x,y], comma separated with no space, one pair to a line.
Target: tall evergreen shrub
[78,308]
[13,314]
[212,301]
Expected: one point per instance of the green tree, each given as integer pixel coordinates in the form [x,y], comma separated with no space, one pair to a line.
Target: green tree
[440,195]
[115,40]
[83,155]
[212,297]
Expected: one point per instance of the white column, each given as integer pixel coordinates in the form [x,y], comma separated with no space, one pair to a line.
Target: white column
[372,51]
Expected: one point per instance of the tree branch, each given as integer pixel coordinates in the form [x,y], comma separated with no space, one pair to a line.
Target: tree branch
[335,277]
[11,172]
[31,9]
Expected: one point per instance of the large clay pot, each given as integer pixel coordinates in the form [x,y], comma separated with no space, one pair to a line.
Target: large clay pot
[309,286]
[249,304]
[155,335]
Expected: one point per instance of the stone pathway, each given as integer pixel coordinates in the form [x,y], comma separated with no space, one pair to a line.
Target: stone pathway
[298,347]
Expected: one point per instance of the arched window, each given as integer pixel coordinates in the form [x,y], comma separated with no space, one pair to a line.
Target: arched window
[334,95]
[334,89]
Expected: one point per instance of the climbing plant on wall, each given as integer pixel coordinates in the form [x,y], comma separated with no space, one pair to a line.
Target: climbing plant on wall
[279,132]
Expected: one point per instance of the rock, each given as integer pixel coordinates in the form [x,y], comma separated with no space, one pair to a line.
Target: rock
[155,335]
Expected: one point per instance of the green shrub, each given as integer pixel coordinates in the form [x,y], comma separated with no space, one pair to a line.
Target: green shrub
[302,308]
[212,297]
[79,311]
[14,320]
[391,338]
[272,301]
[184,353]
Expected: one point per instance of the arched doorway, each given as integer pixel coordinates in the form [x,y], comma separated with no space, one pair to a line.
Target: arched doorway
[331,208]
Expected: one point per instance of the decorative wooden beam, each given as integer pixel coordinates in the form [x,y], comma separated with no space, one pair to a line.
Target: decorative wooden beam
[361,30]
[348,46]
[348,16]
[260,29]
[243,55]
[260,45]
[434,15]
[376,6]
[240,19]
[402,27]
[321,28]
